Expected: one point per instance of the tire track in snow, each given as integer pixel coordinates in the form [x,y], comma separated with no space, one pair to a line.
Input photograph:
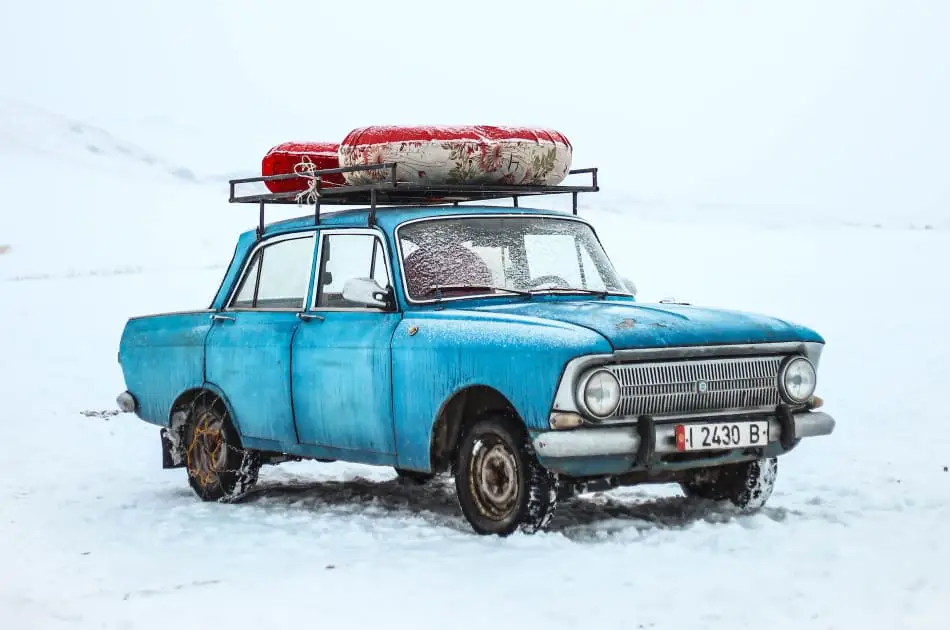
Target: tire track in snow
[586,518]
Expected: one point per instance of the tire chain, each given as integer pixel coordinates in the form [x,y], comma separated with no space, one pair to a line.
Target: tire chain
[246,472]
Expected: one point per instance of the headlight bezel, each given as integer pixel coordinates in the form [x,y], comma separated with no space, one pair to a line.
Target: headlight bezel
[580,394]
[783,373]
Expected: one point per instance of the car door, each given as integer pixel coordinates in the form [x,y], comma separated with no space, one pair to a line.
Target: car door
[342,371]
[248,350]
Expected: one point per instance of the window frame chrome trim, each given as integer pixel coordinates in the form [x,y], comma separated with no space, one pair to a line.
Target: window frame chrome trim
[315,275]
[232,294]
[494,215]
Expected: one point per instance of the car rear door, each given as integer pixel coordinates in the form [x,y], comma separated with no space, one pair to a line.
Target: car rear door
[248,350]
[342,368]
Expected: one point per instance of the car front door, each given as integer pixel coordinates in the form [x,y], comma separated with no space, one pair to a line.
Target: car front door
[248,350]
[342,371]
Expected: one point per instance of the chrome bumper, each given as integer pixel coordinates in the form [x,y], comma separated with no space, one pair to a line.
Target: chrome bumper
[626,441]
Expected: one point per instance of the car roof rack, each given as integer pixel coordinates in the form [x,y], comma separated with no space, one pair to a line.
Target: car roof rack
[388,191]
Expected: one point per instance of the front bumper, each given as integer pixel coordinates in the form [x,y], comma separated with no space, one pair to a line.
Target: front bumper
[631,440]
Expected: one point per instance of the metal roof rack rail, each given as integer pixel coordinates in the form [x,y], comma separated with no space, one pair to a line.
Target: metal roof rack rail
[388,191]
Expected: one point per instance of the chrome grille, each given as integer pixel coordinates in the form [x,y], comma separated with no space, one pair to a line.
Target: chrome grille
[697,385]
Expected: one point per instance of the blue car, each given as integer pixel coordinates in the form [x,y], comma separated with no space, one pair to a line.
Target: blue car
[495,343]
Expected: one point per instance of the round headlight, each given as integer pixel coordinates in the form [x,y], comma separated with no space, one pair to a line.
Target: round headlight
[601,393]
[797,380]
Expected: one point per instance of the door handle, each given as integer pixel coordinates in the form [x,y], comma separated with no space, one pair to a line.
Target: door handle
[309,317]
[218,317]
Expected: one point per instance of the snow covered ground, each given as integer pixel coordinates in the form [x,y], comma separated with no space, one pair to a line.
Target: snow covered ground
[93,534]
[818,194]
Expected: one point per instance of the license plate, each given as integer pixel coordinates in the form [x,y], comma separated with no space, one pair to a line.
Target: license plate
[721,435]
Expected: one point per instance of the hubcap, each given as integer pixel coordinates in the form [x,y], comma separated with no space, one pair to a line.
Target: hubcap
[494,479]
[206,453]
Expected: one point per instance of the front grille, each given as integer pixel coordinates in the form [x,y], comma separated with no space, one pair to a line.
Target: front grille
[697,385]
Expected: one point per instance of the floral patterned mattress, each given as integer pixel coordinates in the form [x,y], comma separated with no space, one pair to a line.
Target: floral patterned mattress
[459,155]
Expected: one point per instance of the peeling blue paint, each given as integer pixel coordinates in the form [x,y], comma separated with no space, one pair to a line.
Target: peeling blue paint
[342,381]
[660,326]
[520,358]
[162,356]
[249,360]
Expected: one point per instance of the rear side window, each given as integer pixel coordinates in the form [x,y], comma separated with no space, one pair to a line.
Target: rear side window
[278,276]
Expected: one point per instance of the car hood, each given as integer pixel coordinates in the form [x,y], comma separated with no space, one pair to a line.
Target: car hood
[629,325]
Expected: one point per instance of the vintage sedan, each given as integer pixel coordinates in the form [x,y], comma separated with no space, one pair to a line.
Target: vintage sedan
[496,344]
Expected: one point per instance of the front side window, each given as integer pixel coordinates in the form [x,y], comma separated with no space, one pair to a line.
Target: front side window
[486,255]
[344,257]
[278,276]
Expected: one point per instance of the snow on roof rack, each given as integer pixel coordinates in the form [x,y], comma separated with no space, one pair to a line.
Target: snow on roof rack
[388,191]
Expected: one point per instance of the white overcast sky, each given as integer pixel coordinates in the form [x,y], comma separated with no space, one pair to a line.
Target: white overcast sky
[828,103]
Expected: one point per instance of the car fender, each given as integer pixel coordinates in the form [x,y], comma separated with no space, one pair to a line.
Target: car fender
[436,354]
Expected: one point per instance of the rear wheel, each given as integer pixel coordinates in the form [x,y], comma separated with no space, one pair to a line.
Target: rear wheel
[501,486]
[219,469]
[747,485]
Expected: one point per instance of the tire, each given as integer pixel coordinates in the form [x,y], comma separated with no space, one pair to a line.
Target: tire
[500,484]
[747,485]
[414,476]
[219,469]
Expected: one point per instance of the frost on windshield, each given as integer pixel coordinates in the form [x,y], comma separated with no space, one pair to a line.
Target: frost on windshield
[481,255]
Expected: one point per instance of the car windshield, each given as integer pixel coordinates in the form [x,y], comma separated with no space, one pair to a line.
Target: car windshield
[486,255]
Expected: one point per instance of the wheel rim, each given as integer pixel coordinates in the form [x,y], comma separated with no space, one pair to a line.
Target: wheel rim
[494,479]
[207,452]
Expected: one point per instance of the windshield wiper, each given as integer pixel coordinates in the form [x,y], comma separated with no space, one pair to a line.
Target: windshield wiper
[476,287]
[599,293]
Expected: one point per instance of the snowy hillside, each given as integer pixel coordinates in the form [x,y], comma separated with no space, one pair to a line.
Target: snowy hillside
[115,204]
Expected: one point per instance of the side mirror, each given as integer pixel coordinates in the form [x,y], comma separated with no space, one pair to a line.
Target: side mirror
[367,292]
[630,285]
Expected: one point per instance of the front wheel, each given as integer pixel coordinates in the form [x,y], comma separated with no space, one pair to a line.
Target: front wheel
[747,485]
[501,486]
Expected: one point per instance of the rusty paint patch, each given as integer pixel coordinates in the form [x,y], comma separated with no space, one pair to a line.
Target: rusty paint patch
[626,324]
[413,330]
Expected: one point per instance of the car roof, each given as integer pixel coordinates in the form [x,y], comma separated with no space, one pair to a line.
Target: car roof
[388,217]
